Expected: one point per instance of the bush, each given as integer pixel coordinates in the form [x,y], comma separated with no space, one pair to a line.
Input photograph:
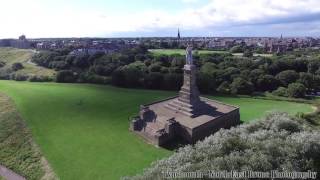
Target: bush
[241,86]
[93,78]
[19,77]
[40,79]
[16,66]
[281,91]
[66,76]
[278,142]
[2,64]
[224,88]
[296,90]
[153,80]
[247,53]
[287,77]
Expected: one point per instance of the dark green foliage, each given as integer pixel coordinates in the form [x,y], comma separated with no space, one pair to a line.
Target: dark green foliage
[278,142]
[287,77]
[248,53]
[132,68]
[236,49]
[153,80]
[2,64]
[307,79]
[66,76]
[281,91]
[118,78]
[241,86]
[16,66]
[172,81]
[267,83]
[155,67]
[224,88]
[296,90]
[40,79]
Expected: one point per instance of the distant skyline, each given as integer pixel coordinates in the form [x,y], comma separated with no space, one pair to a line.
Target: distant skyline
[159,18]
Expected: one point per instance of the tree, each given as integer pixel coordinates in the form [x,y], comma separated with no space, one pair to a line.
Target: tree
[296,90]
[248,53]
[287,77]
[66,76]
[281,91]
[2,64]
[224,88]
[306,79]
[172,81]
[267,83]
[156,67]
[16,66]
[241,86]
[153,80]
[236,49]
[118,78]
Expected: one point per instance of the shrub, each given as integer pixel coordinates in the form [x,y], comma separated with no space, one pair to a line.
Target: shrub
[66,76]
[2,64]
[224,88]
[278,142]
[16,66]
[40,79]
[281,91]
[19,77]
[287,77]
[241,86]
[247,53]
[296,90]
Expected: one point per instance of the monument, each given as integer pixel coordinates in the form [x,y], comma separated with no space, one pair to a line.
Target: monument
[187,115]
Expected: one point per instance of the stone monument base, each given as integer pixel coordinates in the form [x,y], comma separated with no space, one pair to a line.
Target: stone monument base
[161,121]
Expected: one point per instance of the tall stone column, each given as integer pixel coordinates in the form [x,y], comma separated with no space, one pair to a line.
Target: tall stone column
[188,102]
[189,92]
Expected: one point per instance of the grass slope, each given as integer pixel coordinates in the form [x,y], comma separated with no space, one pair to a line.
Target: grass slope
[17,149]
[83,129]
[12,55]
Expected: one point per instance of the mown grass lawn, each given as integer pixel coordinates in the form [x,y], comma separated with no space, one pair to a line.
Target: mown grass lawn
[83,129]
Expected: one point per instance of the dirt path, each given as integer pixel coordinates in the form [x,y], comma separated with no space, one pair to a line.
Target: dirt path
[9,175]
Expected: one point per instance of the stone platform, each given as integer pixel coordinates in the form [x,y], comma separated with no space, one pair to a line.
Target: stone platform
[188,115]
[158,124]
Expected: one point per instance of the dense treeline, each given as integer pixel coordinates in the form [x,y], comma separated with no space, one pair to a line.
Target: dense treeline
[279,142]
[287,75]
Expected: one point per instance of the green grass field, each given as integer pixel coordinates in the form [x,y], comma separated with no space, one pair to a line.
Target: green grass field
[12,55]
[83,129]
[183,52]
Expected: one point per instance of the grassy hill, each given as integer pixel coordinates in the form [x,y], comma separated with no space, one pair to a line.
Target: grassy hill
[83,129]
[17,148]
[9,56]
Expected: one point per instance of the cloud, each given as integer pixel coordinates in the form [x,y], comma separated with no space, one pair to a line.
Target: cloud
[35,19]
[190,1]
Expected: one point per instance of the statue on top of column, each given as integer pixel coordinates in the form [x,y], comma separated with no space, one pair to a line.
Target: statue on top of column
[189,60]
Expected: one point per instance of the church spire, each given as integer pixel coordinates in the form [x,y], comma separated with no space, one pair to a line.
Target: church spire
[179,34]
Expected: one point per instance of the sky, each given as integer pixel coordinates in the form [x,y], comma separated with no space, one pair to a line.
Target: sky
[152,18]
